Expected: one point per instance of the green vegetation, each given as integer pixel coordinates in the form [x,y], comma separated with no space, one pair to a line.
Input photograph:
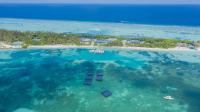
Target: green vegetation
[115,43]
[50,38]
[158,42]
[24,46]
[155,42]
[39,38]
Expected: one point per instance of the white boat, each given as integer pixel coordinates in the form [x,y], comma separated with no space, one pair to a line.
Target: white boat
[91,50]
[96,51]
[168,98]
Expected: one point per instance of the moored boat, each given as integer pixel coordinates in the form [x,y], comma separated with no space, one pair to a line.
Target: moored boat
[97,51]
[168,98]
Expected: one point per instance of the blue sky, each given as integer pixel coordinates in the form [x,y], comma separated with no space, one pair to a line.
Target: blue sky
[107,1]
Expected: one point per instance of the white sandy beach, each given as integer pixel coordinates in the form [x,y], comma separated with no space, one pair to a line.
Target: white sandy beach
[7,46]
[127,48]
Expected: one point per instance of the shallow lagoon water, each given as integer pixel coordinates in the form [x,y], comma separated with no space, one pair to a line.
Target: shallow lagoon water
[102,28]
[51,80]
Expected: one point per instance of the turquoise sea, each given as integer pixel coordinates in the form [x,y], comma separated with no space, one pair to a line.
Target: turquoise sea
[127,30]
[52,80]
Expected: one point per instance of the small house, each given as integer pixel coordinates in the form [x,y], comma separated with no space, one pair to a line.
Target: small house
[181,45]
[85,41]
[36,39]
[190,46]
[103,41]
[17,44]
[134,42]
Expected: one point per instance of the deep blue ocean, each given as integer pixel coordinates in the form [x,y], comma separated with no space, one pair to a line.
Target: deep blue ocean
[184,15]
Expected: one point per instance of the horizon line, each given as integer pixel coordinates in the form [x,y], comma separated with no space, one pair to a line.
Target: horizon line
[99,3]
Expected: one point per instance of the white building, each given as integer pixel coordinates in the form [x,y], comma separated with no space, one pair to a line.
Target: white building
[16,44]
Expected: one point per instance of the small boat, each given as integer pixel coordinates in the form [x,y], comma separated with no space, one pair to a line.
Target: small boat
[92,50]
[168,98]
[96,51]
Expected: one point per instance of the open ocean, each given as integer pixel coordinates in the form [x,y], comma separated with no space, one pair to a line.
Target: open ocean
[157,21]
[53,80]
[187,15]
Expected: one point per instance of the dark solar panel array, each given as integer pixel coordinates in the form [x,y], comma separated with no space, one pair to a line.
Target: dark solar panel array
[98,77]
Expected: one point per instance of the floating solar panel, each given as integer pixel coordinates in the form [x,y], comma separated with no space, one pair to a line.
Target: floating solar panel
[99,74]
[87,82]
[106,93]
[99,78]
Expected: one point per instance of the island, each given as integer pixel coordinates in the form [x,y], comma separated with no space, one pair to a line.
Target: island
[18,39]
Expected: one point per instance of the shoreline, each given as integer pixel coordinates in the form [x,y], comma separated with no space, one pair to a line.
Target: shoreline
[9,47]
[102,47]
